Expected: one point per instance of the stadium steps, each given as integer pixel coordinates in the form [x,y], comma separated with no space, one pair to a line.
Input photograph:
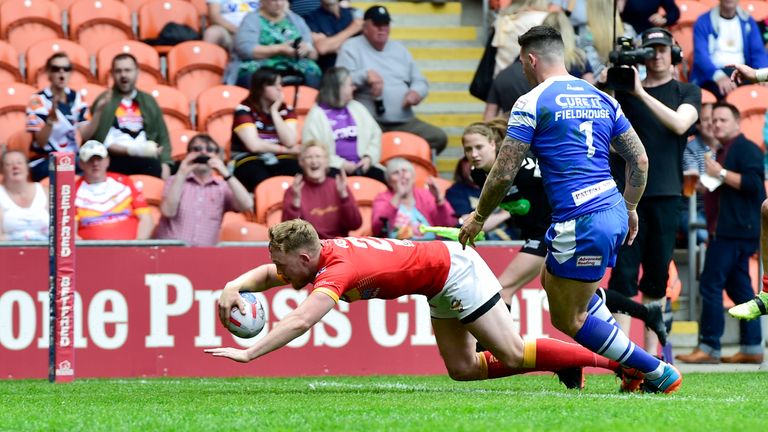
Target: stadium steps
[447,53]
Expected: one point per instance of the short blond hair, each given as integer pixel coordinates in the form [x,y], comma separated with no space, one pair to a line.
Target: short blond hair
[293,235]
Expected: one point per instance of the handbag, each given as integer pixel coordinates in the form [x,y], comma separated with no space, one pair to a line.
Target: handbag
[483,79]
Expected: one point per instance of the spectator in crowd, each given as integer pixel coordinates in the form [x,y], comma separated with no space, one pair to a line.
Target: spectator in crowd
[644,14]
[194,200]
[575,10]
[401,210]
[511,22]
[463,196]
[693,165]
[596,38]
[723,36]
[132,126]
[322,200]
[331,25]
[575,58]
[56,114]
[663,112]
[387,80]
[264,137]
[23,204]
[108,205]
[277,38]
[508,85]
[733,220]
[352,134]
[224,17]
[304,7]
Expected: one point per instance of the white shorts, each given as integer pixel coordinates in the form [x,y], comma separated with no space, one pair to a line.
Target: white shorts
[470,285]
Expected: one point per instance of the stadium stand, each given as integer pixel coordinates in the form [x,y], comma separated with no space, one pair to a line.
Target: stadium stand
[20,140]
[194,66]
[9,64]
[96,23]
[153,15]
[215,110]
[306,98]
[149,62]
[174,105]
[364,190]
[151,187]
[411,147]
[179,140]
[23,23]
[750,100]
[242,231]
[39,52]
[268,196]
[13,105]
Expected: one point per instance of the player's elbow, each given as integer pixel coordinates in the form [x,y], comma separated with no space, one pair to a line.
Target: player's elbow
[641,162]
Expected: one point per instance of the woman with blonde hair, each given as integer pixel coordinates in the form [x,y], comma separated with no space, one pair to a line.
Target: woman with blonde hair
[575,58]
[514,20]
[596,38]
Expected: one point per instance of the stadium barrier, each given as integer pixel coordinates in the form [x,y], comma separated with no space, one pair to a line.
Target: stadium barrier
[148,311]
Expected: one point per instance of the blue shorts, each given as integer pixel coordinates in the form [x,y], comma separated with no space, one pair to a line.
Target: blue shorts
[582,248]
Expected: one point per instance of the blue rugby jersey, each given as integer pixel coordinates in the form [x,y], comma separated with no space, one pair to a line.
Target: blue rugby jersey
[569,125]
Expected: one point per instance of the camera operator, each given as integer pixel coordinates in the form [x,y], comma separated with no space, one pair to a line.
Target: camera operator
[194,201]
[662,111]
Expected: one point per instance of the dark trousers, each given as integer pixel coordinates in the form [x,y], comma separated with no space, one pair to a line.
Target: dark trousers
[435,136]
[251,169]
[652,248]
[130,165]
[726,266]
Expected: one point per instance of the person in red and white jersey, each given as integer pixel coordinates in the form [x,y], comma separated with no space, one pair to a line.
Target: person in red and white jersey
[461,289]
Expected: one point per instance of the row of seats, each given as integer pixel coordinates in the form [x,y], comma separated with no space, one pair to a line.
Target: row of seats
[92,23]
[191,66]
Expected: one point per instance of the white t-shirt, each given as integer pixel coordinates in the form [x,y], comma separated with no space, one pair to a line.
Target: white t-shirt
[729,47]
[235,10]
[25,223]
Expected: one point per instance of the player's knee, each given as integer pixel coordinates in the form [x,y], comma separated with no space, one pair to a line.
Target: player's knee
[567,324]
[462,373]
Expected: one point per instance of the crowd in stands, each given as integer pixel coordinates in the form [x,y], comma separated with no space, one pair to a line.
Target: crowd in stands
[314,93]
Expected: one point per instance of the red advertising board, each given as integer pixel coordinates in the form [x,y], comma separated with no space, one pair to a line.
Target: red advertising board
[150,311]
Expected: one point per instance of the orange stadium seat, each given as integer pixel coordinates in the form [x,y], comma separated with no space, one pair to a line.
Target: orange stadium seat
[149,62]
[23,23]
[707,96]
[201,6]
[134,5]
[64,4]
[364,190]
[151,187]
[155,14]
[20,140]
[179,140]
[682,31]
[750,100]
[89,92]
[691,10]
[757,9]
[243,232]
[411,147]
[194,66]
[174,105]
[13,105]
[95,23]
[9,64]
[268,199]
[215,110]
[307,97]
[39,52]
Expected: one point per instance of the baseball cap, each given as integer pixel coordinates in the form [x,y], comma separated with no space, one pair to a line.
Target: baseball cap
[92,148]
[378,14]
[656,36]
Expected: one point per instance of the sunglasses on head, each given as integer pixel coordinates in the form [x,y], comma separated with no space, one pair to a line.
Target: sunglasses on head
[199,148]
[55,68]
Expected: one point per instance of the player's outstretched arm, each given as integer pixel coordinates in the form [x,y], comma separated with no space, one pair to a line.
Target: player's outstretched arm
[505,168]
[295,324]
[743,74]
[629,147]
[258,279]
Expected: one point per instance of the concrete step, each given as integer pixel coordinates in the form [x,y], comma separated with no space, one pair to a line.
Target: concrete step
[441,33]
[438,96]
[452,120]
[443,53]
[416,14]
[447,63]
[449,107]
[463,76]
[439,43]
[450,86]
[446,162]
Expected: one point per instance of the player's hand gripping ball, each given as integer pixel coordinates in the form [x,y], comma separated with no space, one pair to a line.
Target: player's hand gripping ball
[252,322]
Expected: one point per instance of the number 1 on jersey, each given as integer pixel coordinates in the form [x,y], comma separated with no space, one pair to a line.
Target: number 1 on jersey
[586,129]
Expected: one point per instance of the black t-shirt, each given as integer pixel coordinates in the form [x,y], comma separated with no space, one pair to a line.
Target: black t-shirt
[508,85]
[528,185]
[664,148]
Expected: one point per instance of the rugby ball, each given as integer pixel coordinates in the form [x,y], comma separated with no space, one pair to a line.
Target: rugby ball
[252,322]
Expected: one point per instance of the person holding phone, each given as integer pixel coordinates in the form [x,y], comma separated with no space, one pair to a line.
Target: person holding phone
[194,200]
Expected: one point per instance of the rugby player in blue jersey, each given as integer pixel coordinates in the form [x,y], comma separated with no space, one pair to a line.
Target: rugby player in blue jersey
[570,126]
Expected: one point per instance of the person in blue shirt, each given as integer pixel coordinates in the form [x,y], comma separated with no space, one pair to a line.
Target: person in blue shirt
[570,126]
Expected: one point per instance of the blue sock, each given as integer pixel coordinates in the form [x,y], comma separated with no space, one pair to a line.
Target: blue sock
[599,310]
[609,341]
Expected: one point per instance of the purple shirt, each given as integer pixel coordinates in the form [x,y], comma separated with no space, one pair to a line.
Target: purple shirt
[344,132]
[201,209]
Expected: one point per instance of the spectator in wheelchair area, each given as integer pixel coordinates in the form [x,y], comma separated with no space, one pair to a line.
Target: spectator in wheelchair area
[352,135]
[23,204]
[108,206]
[321,196]
[401,210]
[387,80]
[132,126]
[224,17]
[56,115]
[195,200]
[264,136]
[277,38]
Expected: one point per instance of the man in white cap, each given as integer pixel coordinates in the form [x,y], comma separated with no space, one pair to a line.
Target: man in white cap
[108,206]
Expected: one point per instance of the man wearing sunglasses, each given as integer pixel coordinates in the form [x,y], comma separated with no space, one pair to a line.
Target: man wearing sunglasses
[194,200]
[55,115]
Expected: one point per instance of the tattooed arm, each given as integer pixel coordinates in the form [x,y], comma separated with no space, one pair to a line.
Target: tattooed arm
[629,147]
[505,168]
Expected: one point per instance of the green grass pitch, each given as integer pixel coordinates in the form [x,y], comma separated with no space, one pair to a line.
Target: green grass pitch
[706,402]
